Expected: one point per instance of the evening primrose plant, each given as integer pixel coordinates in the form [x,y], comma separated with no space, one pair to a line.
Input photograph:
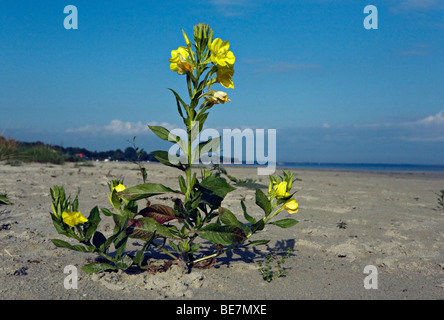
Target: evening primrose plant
[196,215]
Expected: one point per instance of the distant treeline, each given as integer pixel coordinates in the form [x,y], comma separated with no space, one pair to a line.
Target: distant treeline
[14,151]
[129,154]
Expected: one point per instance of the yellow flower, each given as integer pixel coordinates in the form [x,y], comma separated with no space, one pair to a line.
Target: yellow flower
[224,75]
[113,197]
[217,97]
[119,188]
[281,190]
[291,206]
[73,218]
[220,53]
[179,61]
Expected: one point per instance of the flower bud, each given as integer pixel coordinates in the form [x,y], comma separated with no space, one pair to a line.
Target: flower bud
[217,97]
[187,41]
[200,32]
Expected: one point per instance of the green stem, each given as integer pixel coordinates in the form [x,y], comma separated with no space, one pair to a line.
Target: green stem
[104,255]
[207,257]
[214,255]
[188,170]
[266,219]
[166,252]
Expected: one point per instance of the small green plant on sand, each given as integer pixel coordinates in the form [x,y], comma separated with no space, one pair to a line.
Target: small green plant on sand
[196,215]
[341,225]
[273,265]
[441,199]
[4,199]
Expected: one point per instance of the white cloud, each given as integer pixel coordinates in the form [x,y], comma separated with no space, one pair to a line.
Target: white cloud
[119,127]
[437,119]
[432,120]
[428,129]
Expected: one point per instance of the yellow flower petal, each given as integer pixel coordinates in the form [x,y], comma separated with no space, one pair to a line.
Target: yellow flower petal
[215,45]
[119,188]
[179,61]
[220,54]
[73,218]
[281,190]
[291,206]
[224,76]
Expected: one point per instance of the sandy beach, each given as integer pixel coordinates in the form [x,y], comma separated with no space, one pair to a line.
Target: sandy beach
[347,221]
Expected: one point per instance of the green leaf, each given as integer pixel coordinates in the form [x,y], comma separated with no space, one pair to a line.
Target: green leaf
[93,222]
[59,226]
[179,100]
[201,118]
[131,208]
[75,204]
[257,242]
[4,199]
[106,212]
[224,235]
[285,223]
[91,268]
[258,226]
[174,246]
[182,184]
[124,262]
[119,230]
[162,157]
[145,190]
[215,190]
[165,134]
[63,244]
[247,217]
[98,240]
[138,259]
[211,145]
[114,199]
[194,248]
[228,218]
[159,212]
[263,202]
[120,242]
[143,228]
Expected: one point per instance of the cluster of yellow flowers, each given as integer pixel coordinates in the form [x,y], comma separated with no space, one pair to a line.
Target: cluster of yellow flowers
[183,61]
[74,218]
[280,191]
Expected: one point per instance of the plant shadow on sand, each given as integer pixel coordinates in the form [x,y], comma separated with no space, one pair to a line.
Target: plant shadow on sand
[156,262]
[253,254]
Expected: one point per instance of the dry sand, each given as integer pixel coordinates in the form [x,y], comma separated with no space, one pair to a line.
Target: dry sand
[391,222]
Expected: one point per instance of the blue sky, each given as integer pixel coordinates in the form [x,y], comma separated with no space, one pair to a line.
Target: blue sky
[335,91]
